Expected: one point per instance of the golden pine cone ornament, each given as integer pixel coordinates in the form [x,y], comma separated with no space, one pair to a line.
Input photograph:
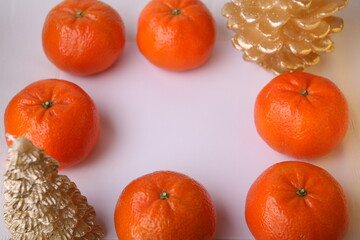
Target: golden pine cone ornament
[283,35]
[40,204]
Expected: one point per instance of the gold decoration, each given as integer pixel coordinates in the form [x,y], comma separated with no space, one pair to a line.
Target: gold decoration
[40,204]
[283,35]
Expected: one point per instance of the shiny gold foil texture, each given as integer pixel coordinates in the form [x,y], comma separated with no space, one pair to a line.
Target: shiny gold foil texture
[40,204]
[283,35]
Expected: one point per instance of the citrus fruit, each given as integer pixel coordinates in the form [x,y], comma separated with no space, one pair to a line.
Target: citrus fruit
[302,115]
[83,37]
[176,34]
[57,116]
[165,205]
[296,200]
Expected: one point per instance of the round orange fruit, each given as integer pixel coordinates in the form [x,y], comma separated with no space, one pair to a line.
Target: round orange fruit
[296,200]
[176,34]
[83,37]
[57,116]
[302,115]
[165,205]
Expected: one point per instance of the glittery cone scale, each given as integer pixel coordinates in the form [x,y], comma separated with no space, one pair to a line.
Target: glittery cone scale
[40,204]
[283,35]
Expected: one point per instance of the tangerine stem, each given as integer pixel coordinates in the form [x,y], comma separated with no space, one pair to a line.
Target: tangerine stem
[164,195]
[47,104]
[304,92]
[79,14]
[301,192]
[175,11]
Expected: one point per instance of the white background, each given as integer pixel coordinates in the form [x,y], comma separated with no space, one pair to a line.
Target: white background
[198,122]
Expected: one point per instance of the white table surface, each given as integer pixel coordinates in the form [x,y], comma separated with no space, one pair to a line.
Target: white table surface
[198,122]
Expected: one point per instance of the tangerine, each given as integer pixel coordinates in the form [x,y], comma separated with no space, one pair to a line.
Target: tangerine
[301,115]
[165,205]
[83,37]
[57,116]
[296,200]
[176,34]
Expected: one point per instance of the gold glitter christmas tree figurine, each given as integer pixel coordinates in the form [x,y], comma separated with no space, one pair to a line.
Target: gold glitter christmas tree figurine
[283,35]
[40,204]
